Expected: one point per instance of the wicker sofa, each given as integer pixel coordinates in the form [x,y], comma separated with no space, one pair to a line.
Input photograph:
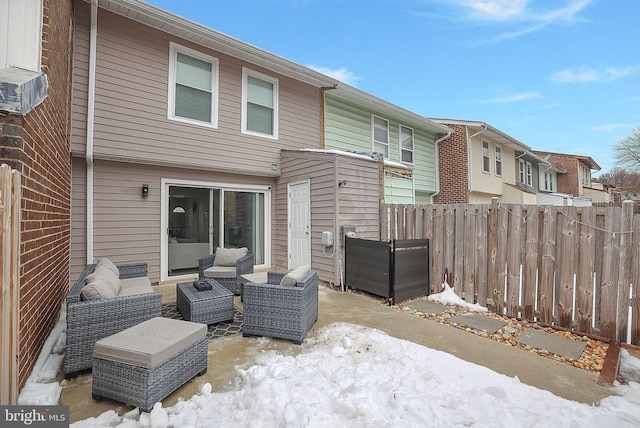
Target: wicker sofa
[91,320]
[281,311]
[226,266]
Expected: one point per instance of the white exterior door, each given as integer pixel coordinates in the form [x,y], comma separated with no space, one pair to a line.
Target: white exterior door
[299,220]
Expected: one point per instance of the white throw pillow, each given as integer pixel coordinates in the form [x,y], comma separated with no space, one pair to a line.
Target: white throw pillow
[291,279]
[96,290]
[105,262]
[101,273]
[228,256]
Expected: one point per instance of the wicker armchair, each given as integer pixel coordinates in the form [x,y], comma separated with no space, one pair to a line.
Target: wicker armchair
[243,266]
[89,321]
[281,311]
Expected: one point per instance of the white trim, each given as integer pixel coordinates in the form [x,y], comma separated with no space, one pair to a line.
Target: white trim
[164,221]
[413,143]
[373,135]
[246,72]
[174,48]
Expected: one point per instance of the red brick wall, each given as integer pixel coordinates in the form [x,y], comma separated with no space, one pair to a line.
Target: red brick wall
[37,145]
[570,182]
[453,160]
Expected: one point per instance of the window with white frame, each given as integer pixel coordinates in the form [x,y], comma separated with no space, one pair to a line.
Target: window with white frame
[549,181]
[381,136]
[521,171]
[529,174]
[586,175]
[498,153]
[259,104]
[486,161]
[406,144]
[193,86]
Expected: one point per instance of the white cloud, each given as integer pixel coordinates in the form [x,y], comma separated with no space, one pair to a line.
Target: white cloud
[341,74]
[496,10]
[506,99]
[609,127]
[587,74]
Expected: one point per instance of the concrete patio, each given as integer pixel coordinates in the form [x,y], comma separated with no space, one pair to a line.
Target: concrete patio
[229,353]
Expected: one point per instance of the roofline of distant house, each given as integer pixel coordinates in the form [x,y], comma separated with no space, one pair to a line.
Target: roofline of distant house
[586,159]
[493,132]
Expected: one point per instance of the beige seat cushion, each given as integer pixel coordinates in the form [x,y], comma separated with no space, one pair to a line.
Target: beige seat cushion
[220,272]
[291,279]
[149,343]
[228,256]
[139,285]
[102,283]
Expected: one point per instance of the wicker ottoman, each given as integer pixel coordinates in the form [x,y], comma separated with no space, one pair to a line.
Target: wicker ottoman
[144,363]
[208,306]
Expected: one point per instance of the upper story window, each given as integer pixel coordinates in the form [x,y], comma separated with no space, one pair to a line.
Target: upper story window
[193,86]
[549,179]
[529,174]
[406,144]
[259,104]
[521,171]
[586,175]
[486,161]
[381,136]
[498,153]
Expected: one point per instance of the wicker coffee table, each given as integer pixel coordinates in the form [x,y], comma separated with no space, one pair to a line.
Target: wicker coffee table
[206,307]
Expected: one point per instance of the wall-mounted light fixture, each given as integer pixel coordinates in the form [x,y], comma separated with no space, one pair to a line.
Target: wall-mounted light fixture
[342,183]
[145,190]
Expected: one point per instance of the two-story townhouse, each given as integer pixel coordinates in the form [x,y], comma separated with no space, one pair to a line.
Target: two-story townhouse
[35,64]
[539,176]
[178,135]
[477,163]
[576,181]
[406,142]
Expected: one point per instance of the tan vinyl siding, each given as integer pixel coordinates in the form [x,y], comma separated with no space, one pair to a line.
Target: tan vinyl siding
[126,225]
[358,200]
[132,98]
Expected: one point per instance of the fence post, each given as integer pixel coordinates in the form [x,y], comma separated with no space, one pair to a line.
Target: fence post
[624,278]
[10,194]
[492,250]
[635,301]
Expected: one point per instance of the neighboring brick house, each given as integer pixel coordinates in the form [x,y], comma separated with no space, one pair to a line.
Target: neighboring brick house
[576,181]
[477,163]
[35,81]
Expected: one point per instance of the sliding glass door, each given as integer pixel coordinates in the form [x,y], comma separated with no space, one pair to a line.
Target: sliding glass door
[200,217]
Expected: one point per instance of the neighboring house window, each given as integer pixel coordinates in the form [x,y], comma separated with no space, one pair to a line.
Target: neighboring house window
[586,175]
[259,104]
[406,144]
[529,174]
[549,179]
[521,171]
[193,86]
[486,161]
[498,153]
[381,136]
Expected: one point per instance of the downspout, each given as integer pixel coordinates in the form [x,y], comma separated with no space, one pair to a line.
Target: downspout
[91,94]
[437,159]
[469,161]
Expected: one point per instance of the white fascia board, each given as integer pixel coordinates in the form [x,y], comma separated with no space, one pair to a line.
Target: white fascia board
[491,132]
[168,22]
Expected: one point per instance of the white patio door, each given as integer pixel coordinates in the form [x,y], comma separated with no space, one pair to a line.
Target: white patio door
[299,221]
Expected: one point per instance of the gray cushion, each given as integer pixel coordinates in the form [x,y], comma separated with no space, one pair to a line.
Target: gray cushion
[228,256]
[149,343]
[220,272]
[291,279]
[107,275]
[96,290]
[105,262]
[138,285]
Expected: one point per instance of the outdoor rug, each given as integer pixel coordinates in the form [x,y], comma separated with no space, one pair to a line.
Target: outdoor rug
[214,331]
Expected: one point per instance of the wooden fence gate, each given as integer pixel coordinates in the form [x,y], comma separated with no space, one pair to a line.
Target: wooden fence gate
[575,267]
[10,193]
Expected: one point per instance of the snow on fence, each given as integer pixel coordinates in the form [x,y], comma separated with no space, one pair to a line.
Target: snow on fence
[9,279]
[574,267]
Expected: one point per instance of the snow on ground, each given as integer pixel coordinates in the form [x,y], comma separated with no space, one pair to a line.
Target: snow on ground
[449,297]
[354,376]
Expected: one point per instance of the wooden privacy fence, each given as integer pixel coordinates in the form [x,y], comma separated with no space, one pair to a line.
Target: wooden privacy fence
[574,267]
[9,278]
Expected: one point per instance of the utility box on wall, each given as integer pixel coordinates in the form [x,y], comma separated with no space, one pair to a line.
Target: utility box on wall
[347,230]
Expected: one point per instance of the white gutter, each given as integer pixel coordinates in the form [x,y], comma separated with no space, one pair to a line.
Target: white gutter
[90,125]
[437,159]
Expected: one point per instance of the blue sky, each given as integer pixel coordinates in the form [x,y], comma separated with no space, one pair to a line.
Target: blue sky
[557,75]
